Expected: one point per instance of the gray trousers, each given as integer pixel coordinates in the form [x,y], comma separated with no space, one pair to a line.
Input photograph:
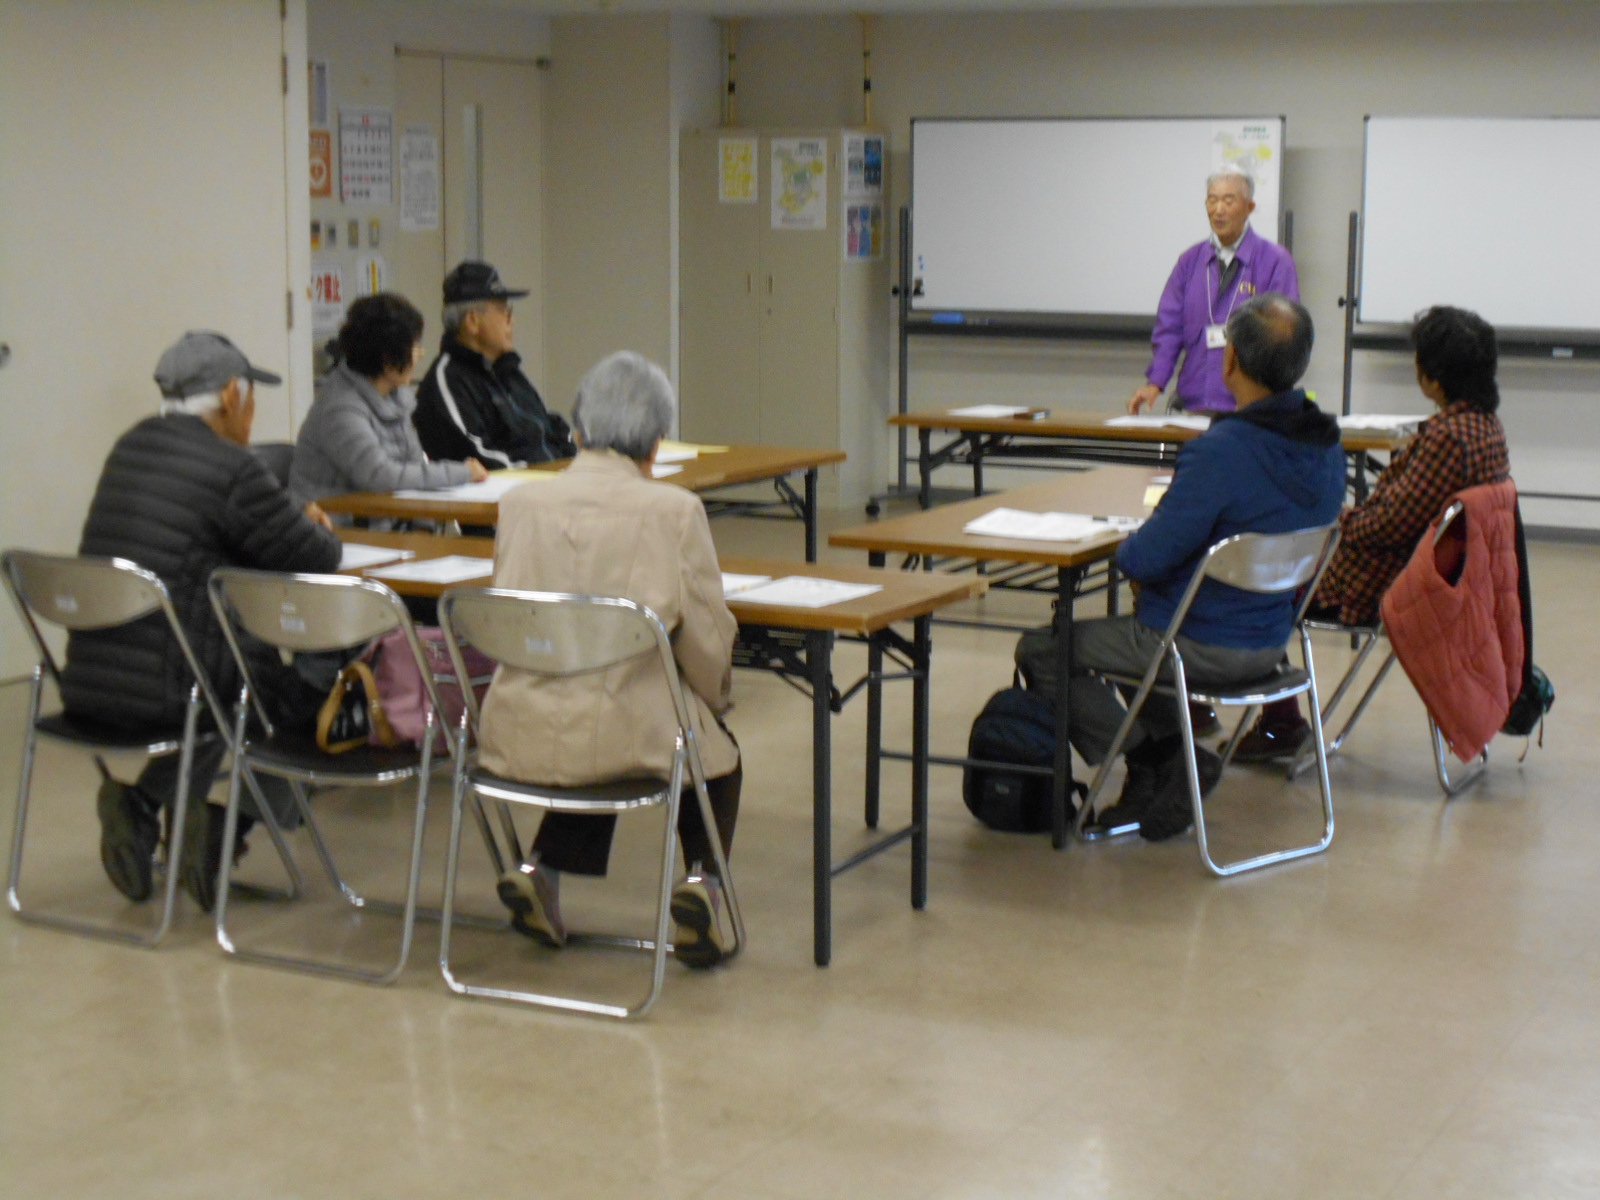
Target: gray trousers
[1126,645]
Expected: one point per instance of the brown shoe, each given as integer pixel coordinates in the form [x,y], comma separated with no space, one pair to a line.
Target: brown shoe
[1272,740]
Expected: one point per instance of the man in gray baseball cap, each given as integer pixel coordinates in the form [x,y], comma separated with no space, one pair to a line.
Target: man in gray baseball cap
[181,494]
[202,362]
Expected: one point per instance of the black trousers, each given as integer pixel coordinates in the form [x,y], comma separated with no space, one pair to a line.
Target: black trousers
[581,844]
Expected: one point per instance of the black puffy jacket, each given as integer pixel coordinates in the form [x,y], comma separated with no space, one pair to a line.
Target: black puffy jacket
[179,501]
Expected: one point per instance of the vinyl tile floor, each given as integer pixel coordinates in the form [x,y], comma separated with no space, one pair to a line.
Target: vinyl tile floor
[1412,1014]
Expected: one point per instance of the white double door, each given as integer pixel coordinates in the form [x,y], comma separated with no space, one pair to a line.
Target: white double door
[487,115]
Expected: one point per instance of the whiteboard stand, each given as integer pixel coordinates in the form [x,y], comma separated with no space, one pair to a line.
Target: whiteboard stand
[1349,302]
[902,292]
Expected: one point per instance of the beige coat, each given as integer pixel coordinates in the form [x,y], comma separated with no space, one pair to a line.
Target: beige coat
[601,528]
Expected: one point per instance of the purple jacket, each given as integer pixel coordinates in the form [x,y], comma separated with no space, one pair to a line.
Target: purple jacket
[1182,318]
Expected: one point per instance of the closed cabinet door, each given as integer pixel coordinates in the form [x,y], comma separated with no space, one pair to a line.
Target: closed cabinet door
[720,296]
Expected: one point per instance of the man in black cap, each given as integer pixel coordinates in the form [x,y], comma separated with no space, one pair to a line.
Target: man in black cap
[180,495]
[475,401]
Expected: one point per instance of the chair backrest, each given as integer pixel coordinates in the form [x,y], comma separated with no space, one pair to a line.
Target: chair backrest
[1271,562]
[83,593]
[309,614]
[556,634]
[277,457]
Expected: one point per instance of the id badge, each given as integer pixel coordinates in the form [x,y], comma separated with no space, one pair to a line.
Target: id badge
[1216,337]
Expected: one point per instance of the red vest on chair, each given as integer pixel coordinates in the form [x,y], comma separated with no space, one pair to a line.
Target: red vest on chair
[1455,621]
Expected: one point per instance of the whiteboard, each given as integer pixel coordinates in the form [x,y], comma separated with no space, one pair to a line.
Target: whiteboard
[1497,215]
[1071,216]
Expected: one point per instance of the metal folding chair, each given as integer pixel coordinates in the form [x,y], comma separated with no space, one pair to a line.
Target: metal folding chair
[80,593]
[557,635]
[1367,638]
[310,614]
[1255,562]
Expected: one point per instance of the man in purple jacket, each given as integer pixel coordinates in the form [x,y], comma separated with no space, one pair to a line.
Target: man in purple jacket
[1211,280]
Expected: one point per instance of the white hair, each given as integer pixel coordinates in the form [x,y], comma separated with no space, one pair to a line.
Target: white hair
[456,313]
[201,404]
[625,403]
[1233,171]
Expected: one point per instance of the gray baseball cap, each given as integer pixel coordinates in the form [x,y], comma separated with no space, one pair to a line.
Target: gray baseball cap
[202,361]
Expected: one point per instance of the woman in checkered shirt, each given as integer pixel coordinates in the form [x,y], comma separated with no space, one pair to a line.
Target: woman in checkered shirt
[1459,447]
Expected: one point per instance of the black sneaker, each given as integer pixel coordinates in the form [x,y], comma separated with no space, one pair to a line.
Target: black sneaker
[1138,791]
[1171,811]
[700,941]
[201,865]
[129,834]
[1204,720]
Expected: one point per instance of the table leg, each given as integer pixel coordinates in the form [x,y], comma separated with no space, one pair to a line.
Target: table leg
[1061,778]
[811,515]
[874,730]
[925,467]
[922,686]
[819,653]
[975,453]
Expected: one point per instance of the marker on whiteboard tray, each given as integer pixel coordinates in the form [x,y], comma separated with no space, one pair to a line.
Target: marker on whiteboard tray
[948,318]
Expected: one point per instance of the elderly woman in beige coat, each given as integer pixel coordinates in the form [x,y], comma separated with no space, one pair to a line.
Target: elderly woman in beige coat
[604,526]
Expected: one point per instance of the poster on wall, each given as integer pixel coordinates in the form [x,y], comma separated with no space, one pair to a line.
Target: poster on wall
[863,231]
[419,179]
[736,179]
[366,156]
[799,183]
[1254,148]
[321,164]
[371,272]
[863,166]
[327,300]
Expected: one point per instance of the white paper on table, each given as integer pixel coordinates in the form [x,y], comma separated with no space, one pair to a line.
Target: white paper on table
[732,583]
[1387,422]
[1170,421]
[1046,526]
[675,454]
[803,591]
[449,568]
[990,410]
[490,490]
[662,470]
[358,554]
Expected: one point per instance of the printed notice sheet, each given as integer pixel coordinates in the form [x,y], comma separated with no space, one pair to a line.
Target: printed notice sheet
[358,554]
[1047,526]
[419,179]
[802,591]
[1381,422]
[736,176]
[489,491]
[451,568]
[662,470]
[799,183]
[366,156]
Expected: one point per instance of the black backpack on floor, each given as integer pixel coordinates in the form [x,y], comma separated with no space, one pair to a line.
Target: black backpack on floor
[1015,726]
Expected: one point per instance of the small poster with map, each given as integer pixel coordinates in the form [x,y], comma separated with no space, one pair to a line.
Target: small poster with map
[800,183]
[1254,147]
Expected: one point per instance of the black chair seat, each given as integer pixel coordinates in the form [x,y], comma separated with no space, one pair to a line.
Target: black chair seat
[1285,681]
[300,754]
[611,796]
[99,735]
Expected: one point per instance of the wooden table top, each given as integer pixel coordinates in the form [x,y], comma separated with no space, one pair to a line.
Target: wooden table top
[1093,427]
[904,594]
[1102,491]
[737,464]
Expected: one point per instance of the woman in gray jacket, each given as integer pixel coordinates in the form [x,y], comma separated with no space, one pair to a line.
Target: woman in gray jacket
[358,436]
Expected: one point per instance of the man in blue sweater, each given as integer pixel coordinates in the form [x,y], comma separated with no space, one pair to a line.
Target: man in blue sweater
[1273,466]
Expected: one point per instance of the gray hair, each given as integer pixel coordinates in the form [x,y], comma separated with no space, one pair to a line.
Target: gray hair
[625,403]
[456,313]
[1271,336]
[1234,171]
[200,404]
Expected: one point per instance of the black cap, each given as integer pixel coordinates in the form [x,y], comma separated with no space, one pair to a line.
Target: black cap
[476,281]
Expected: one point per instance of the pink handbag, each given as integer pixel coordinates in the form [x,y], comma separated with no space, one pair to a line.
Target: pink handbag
[405,699]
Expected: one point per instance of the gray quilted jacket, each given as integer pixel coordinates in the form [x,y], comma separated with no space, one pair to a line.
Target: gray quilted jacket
[355,440]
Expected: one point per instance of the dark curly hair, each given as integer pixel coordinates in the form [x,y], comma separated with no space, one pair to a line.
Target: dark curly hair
[1456,349]
[379,334]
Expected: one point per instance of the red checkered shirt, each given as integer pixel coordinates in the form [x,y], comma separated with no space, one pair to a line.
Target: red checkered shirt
[1458,448]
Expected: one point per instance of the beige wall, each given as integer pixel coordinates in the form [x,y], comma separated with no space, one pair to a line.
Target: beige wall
[141,193]
[1324,67]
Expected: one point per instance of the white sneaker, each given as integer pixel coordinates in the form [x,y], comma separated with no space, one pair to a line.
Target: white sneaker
[534,901]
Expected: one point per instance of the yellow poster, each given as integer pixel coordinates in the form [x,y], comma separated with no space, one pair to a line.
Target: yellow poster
[736,183]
